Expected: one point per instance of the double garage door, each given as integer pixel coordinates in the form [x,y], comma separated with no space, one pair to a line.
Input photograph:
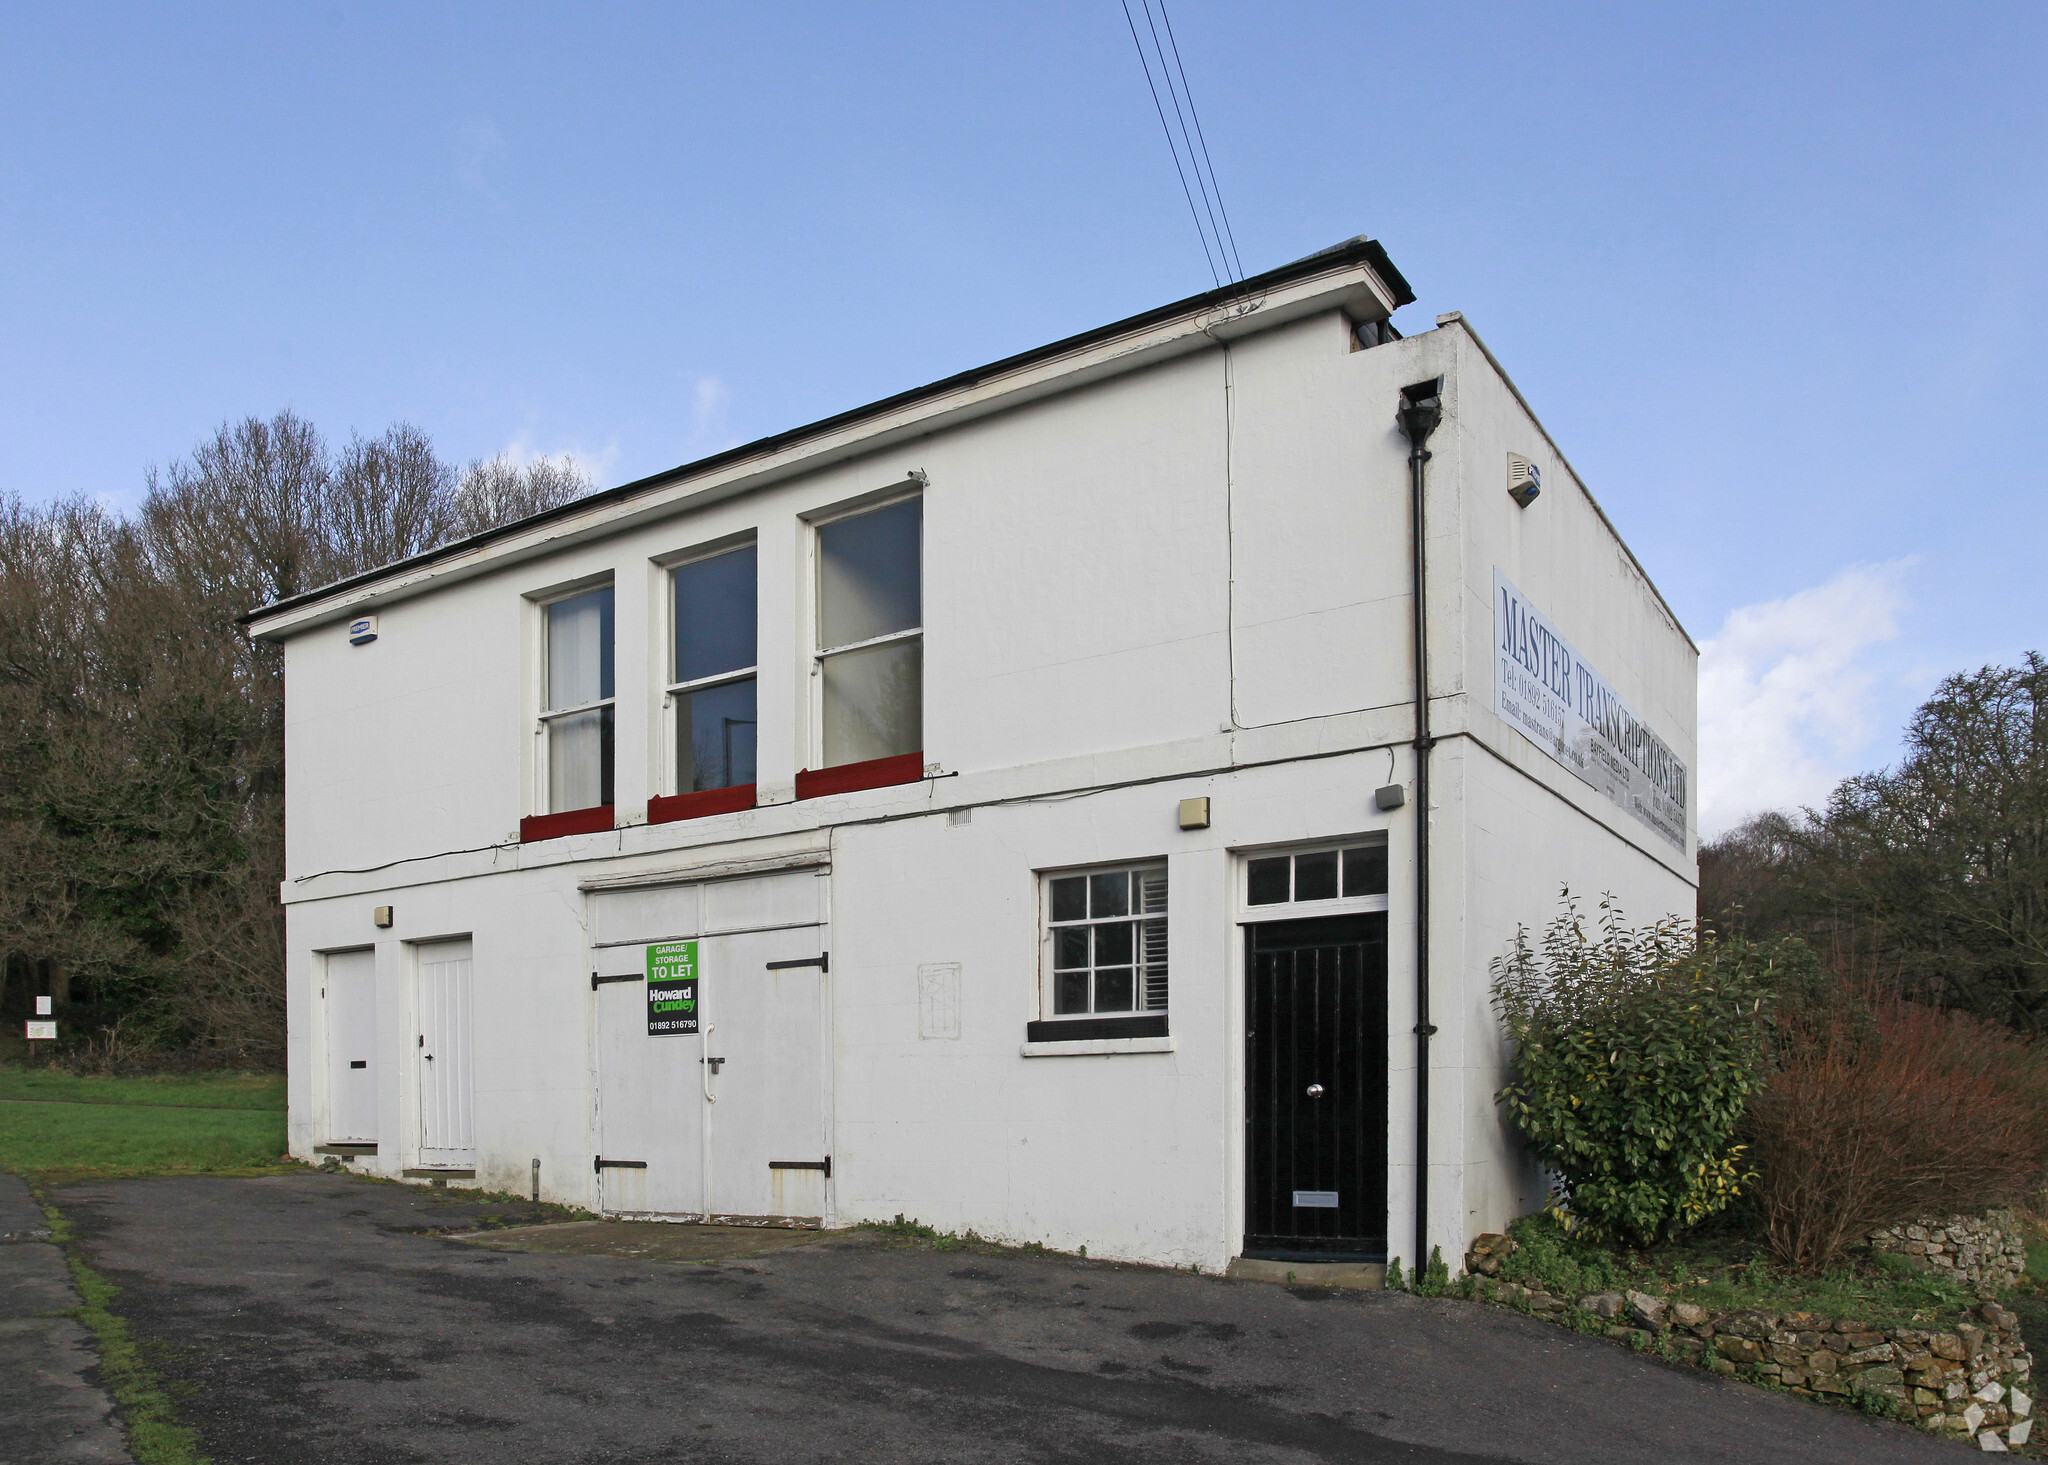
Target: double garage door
[713,1079]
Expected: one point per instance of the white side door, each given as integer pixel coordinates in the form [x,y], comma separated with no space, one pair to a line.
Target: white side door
[447,1132]
[352,1047]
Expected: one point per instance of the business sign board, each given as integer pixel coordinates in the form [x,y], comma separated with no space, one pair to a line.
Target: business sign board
[671,988]
[1566,708]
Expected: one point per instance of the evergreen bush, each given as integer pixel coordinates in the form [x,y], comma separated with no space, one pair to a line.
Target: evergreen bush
[1636,1051]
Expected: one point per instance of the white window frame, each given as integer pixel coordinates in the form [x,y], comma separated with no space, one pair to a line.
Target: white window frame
[1140,967]
[543,793]
[1291,909]
[820,654]
[671,689]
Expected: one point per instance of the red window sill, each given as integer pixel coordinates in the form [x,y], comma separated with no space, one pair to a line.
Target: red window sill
[667,808]
[573,821]
[875,773]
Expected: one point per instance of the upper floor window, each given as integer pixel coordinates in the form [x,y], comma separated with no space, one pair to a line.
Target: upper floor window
[712,671]
[1105,936]
[870,656]
[576,701]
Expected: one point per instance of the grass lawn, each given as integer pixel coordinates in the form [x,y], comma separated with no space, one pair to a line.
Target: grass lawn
[57,1126]
[190,1090]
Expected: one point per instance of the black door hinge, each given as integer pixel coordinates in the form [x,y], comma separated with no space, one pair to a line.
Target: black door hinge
[824,1165]
[822,961]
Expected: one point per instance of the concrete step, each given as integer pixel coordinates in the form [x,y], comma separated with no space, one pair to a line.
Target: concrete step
[1370,1276]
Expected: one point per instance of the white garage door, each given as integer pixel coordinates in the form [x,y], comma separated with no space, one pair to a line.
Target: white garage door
[731,1115]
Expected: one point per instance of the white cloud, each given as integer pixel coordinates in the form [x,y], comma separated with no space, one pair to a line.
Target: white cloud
[709,398]
[1785,694]
[597,465]
[712,396]
[478,143]
[122,503]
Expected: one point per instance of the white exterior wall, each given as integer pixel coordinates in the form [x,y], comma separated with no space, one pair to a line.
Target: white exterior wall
[1129,599]
[1514,828]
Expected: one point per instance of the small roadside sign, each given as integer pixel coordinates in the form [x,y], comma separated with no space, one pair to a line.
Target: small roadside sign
[40,1030]
[671,988]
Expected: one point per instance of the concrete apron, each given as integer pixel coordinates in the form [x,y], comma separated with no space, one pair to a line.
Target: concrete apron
[643,1240]
[1370,1276]
[694,1242]
[53,1413]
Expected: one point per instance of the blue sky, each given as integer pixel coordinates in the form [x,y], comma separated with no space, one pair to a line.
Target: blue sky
[1772,274]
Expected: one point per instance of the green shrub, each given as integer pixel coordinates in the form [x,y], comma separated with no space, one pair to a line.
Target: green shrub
[1547,1259]
[1636,1051]
[1434,1280]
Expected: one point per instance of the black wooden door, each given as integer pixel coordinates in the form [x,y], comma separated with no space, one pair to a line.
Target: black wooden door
[1316,1089]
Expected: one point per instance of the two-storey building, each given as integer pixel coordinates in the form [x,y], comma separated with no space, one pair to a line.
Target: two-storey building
[1007,805]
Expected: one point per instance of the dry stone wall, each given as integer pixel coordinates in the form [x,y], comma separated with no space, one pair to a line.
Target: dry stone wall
[1986,1252]
[1974,1382]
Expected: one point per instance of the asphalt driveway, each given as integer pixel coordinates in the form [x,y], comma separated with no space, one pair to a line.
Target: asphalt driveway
[51,1413]
[314,1318]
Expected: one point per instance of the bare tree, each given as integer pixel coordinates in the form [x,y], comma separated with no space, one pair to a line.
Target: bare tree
[239,522]
[500,490]
[142,735]
[389,498]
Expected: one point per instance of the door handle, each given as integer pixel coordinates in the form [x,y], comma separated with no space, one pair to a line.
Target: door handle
[1315,1091]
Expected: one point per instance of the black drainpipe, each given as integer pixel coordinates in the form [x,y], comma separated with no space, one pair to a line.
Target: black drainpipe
[1420,411]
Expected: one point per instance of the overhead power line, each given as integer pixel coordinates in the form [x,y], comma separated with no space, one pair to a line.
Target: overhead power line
[1207,167]
[1190,148]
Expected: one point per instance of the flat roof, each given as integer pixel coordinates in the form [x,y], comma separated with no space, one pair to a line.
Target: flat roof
[1359,250]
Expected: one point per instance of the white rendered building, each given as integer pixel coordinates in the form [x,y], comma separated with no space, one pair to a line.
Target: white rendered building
[999,805]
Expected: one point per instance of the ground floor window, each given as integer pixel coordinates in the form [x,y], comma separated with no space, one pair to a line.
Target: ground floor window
[1104,942]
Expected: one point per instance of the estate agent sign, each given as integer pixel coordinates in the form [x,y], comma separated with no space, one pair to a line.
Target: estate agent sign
[1567,709]
[671,988]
